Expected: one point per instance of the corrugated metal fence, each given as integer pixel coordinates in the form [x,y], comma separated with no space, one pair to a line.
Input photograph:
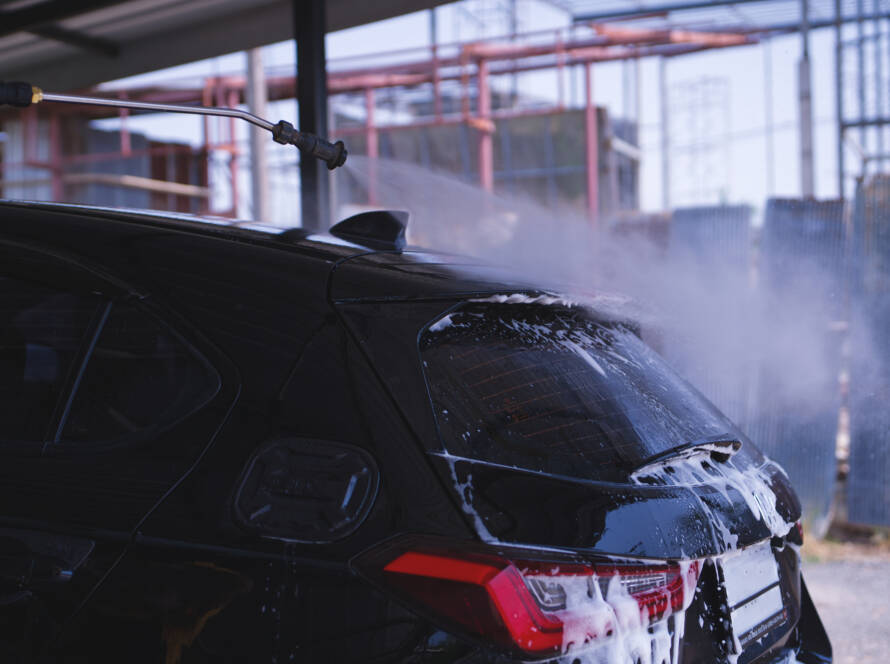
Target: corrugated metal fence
[715,234]
[715,242]
[868,482]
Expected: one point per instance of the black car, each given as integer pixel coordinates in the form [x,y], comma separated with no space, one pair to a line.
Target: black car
[225,444]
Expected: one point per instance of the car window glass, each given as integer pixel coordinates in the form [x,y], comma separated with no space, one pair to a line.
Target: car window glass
[545,389]
[140,377]
[41,332]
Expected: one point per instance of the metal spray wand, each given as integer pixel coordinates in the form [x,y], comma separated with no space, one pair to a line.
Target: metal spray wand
[22,95]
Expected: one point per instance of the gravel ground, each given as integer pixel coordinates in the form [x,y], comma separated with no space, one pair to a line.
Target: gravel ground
[853,598]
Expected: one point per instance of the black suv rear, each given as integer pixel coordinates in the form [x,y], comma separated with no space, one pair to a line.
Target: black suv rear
[224,444]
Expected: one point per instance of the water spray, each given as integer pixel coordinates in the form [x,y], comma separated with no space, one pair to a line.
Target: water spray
[22,95]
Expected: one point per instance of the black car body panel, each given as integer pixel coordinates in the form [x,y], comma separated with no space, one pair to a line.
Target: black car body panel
[668,522]
[195,541]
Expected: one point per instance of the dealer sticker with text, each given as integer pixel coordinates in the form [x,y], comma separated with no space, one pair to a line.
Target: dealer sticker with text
[751,579]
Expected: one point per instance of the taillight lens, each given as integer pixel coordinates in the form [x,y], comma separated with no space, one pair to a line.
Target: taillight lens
[536,609]
[487,598]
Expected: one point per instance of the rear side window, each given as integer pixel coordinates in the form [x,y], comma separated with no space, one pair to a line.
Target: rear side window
[140,376]
[42,331]
[547,389]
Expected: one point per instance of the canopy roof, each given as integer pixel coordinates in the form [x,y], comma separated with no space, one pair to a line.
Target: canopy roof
[65,44]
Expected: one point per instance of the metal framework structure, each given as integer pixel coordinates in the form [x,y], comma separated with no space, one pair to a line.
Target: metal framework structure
[699,112]
[862,56]
[464,70]
[61,45]
[648,29]
[96,30]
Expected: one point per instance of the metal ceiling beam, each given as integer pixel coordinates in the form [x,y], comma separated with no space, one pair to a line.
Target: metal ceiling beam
[776,29]
[50,11]
[813,25]
[97,45]
[659,9]
[216,35]
[263,22]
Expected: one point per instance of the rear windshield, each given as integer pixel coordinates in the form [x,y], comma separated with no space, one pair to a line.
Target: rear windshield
[551,390]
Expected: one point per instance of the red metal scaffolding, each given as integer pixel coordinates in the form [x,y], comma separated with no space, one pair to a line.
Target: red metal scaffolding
[468,66]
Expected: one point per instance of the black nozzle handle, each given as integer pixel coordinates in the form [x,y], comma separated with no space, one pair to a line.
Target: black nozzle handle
[16,93]
[333,154]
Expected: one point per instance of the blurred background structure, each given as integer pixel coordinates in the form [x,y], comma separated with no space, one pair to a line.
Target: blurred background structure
[634,115]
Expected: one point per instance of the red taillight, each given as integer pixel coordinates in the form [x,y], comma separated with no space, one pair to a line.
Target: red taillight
[489,599]
[660,590]
[537,609]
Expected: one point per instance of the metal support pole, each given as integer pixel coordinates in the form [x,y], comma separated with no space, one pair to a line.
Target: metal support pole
[839,93]
[372,142]
[126,145]
[627,88]
[638,96]
[465,84]
[514,30]
[434,52]
[768,117]
[257,96]
[29,135]
[860,63]
[665,136]
[805,106]
[486,149]
[560,73]
[233,152]
[312,97]
[884,51]
[55,158]
[206,100]
[880,92]
[170,176]
[591,144]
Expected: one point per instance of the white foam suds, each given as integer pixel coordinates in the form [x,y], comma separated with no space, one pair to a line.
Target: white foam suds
[610,304]
[602,622]
[524,298]
[752,483]
[441,324]
[587,357]
[465,491]
[605,624]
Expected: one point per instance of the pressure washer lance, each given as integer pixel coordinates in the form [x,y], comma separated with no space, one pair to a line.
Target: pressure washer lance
[23,95]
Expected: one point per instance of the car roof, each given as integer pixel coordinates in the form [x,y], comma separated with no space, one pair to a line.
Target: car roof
[224,227]
[361,272]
